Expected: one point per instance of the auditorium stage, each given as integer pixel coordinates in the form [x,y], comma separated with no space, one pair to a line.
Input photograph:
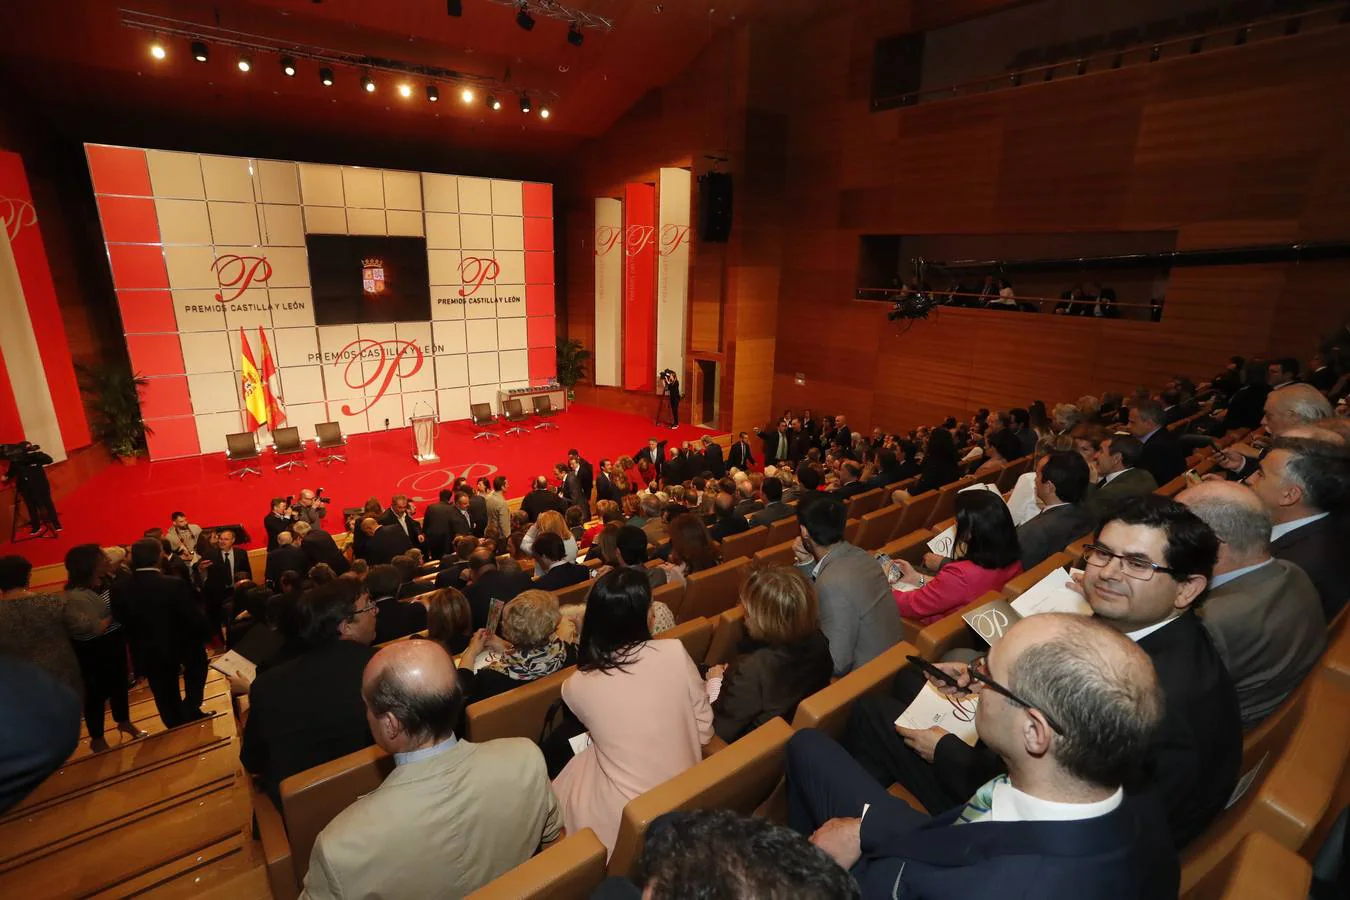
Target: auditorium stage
[120,502]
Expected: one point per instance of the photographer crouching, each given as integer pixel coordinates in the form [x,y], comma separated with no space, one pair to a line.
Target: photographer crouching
[27,470]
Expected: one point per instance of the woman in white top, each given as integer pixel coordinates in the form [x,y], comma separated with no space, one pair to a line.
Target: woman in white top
[550,522]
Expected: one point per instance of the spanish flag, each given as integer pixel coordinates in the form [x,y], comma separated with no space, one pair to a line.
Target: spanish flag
[276,416]
[255,404]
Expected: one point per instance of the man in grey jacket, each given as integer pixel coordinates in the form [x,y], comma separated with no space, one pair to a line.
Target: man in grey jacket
[857,609]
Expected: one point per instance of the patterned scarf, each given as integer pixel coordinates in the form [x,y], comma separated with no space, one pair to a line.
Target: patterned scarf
[532,663]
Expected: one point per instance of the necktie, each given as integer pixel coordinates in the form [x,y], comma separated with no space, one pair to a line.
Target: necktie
[981,805]
[1102,482]
[782,445]
[229,566]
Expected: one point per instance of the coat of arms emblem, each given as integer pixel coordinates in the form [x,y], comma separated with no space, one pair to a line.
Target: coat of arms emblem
[372,275]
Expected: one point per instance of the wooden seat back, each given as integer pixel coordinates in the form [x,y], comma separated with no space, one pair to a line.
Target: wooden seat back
[1019,585]
[745,544]
[1336,658]
[738,778]
[875,528]
[312,798]
[1013,471]
[696,635]
[828,708]
[672,595]
[728,632]
[574,593]
[917,512]
[945,507]
[1173,487]
[776,555]
[951,632]
[785,529]
[713,591]
[517,713]
[1256,869]
[569,870]
[860,505]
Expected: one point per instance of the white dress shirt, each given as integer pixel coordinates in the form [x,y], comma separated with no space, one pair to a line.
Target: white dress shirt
[1011,805]
[1144,632]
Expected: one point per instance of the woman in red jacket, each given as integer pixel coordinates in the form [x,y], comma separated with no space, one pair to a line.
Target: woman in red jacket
[985,558]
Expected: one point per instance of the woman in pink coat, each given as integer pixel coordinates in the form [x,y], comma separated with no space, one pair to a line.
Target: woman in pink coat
[643,702]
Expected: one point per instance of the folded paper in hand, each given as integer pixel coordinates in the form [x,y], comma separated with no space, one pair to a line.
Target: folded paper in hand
[931,707]
[232,663]
[992,620]
[580,742]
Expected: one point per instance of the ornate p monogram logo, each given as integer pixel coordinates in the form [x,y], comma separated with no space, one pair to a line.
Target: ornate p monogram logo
[474,270]
[238,273]
[672,236]
[606,236]
[637,238]
[17,215]
[367,362]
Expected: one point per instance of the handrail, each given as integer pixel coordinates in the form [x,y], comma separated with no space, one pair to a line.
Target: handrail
[942,298]
[1081,64]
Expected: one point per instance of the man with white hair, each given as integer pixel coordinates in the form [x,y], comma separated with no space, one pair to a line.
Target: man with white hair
[1263,614]
[1292,406]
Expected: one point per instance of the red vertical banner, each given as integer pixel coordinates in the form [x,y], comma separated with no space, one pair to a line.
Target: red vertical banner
[639,287]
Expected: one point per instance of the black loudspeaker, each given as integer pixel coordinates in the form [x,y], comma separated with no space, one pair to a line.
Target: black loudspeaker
[714,207]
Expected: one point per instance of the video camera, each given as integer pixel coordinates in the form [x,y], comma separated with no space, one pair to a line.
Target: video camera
[20,453]
[912,306]
[318,497]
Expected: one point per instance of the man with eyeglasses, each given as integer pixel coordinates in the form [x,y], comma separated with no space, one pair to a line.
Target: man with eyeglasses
[1147,568]
[308,710]
[1067,706]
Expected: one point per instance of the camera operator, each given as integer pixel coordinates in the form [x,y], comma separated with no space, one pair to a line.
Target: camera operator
[26,462]
[278,520]
[672,387]
[311,508]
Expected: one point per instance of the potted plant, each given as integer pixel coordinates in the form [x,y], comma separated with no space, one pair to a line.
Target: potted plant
[114,401]
[572,358]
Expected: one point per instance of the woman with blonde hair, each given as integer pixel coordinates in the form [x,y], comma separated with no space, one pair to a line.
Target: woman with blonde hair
[449,620]
[550,522]
[536,641]
[785,659]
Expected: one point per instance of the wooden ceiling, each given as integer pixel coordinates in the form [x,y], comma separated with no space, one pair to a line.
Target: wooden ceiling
[74,64]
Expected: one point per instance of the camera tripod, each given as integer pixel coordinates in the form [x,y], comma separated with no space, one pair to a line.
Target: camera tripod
[45,529]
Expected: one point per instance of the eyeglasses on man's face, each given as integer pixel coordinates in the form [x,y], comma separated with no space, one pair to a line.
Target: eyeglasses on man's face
[978,669]
[1135,565]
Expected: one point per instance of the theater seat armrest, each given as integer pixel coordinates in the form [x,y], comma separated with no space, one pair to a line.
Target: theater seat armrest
[276,847]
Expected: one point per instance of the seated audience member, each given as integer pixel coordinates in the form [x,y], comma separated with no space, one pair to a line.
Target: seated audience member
[717,853]
[1283,373]
[606,511]
[396,618]
[850,481]
[727,522]
[449,620]
[1304,484]
[486,582]
[1293,406]
[409,567]
[784,659]
[888,470]
[319,547]
[985,557]
[857,610]
[774,507]
[1066,708]
[550,522]
[642,701]
[996,451]
[1262,614]
[632,511]
[1163,455]
[308,711]
[807,485]
[630,550]
[1061,485]
[452,816]
[550,561]
[1019,423]
[535,641]
[692,549]
[941,463]
[39,727]
[1247,404]
[654,523]
[451,570]
[1121,479]
[286,556]
[384,542]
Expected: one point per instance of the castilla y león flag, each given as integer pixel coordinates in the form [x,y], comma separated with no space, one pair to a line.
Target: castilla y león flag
[255,403]
[275,414]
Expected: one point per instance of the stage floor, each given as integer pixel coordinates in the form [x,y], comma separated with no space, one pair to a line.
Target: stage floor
[120,502]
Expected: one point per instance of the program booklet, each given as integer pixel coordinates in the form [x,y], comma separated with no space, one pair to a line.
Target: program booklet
[1051,594]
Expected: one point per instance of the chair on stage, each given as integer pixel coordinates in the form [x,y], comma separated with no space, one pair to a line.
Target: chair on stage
[287,447]
[515,414]
[330,443]
[544,411]
[241,448]
[480,414]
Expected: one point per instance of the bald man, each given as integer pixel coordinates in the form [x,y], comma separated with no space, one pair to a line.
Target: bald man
[452,815]
[1069,705]
[1263,614]
[1292,406]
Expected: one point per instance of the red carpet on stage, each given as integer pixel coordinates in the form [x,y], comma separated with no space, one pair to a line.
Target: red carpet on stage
[119,503]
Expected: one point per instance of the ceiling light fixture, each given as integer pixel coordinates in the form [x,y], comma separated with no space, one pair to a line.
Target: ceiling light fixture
[433,93]
[574,35]
[368,84]
[200,52]
[405,90]
[288,66]
[544,113]
[525,103]
[245,64]
[523,17]
[493,103]
[466,95]
[157,50]
[326,77]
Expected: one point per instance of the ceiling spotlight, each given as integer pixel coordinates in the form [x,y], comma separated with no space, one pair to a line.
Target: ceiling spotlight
[544,113]
[368,84]
[523,17]
[525,103]
[493,103]
[157,50]
[466,95]
[454,8]
[199,51]
[245,64]
[405,90]
[288,66]
[326,77]
[433,94]
[574,35]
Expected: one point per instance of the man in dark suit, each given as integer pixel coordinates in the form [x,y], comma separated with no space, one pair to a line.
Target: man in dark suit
[604,488]
[399,513]
[436,524]
[570,489]
[774,507]
[842,435]
[1164,456]
[851,485]
[727,522]
[801,443]
[286,557]
[585,474]
[394,618]
[739,456]
[1152,561]
[452,565]
[309,711]
[676,469]
[551,557]
[777,443]
[488,583]
[319,547]
[540,499]
[385,543]
[460,521]
[654,453]
[1304,483]
[1117,462]
[39,728]
[712,458]
[277,521]
[167,633]
[1061,483]
[1263,614]
[219,567]
[1059,822]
